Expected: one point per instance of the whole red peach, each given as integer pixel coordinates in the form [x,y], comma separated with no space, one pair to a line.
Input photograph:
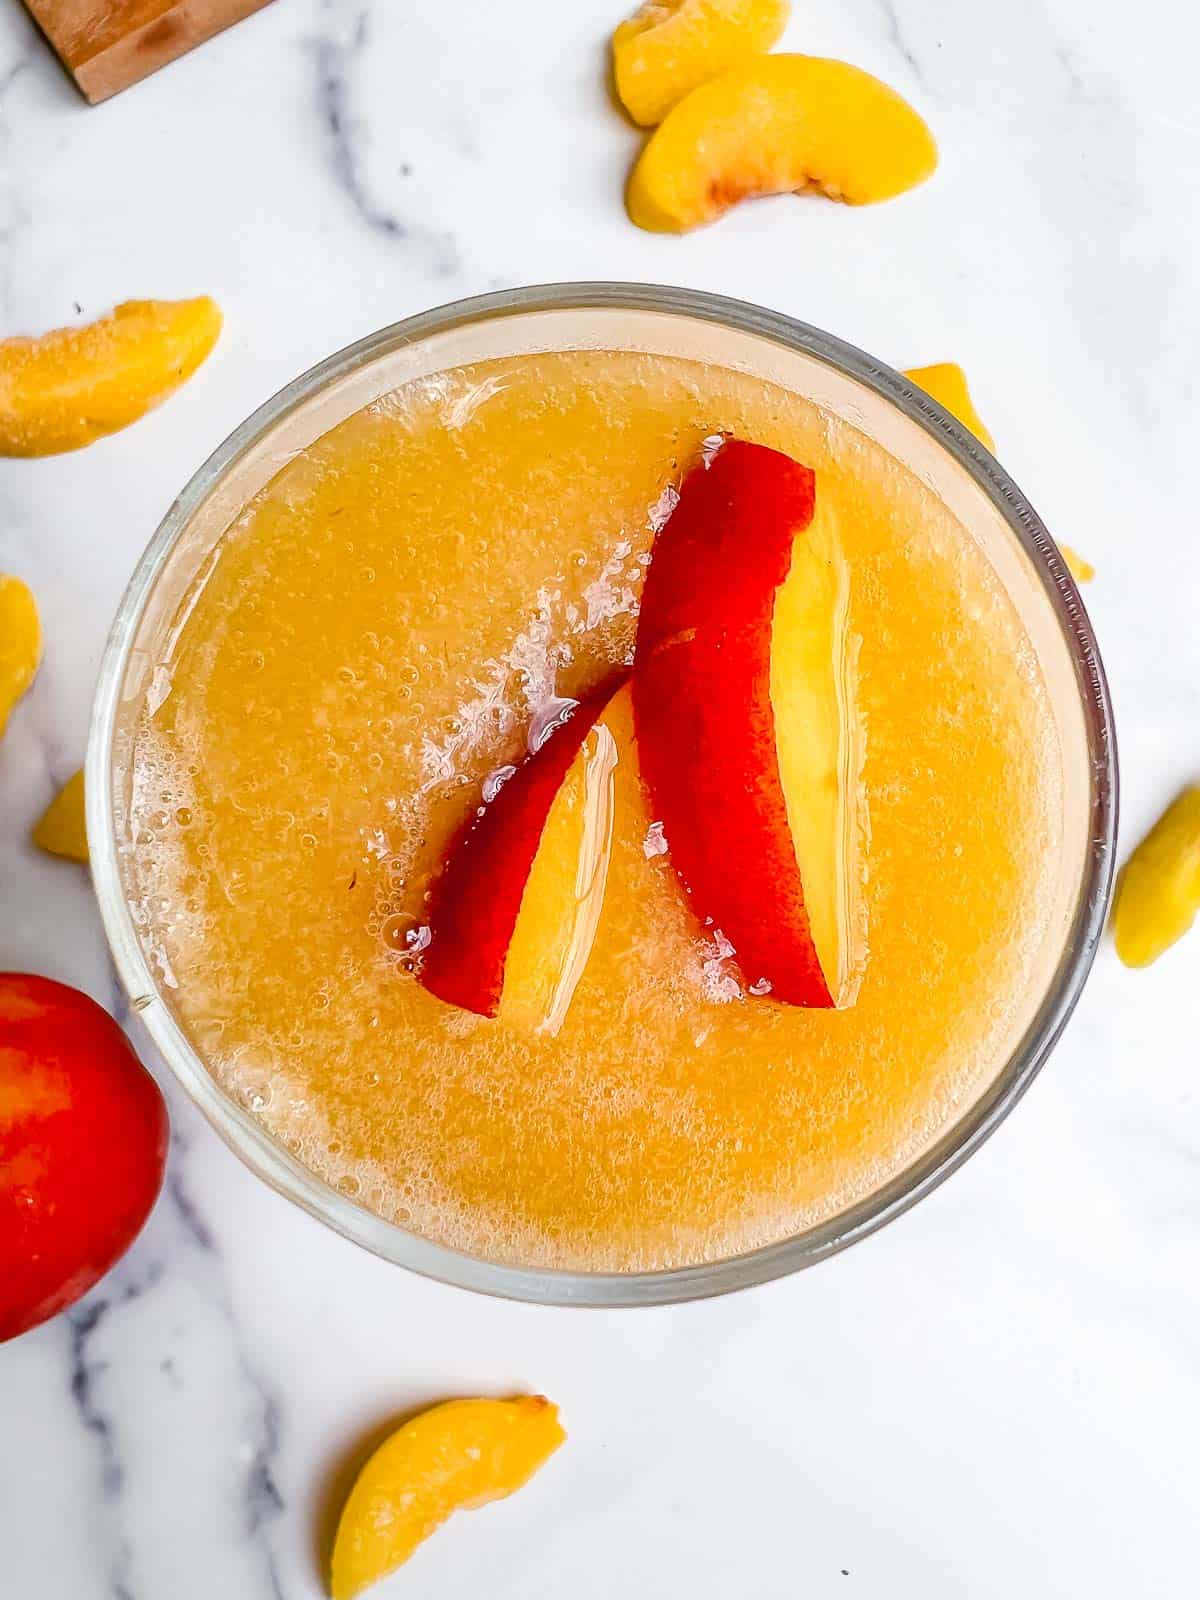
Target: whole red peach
[83,1146]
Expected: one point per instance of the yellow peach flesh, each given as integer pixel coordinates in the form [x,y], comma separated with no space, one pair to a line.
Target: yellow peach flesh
[1080,568]
[62,830]
[74,385]
[453,1457]
[946,382]
[777,125]
[564,893]
[669,47]
[20,643]
[1158,894]
[819,748]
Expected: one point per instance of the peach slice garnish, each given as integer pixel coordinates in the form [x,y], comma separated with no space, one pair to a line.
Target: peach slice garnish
[746,733]
[20,643]
[820,746]
[669,47]
[74,385]
[947,383]
[776,125]
[62,830]
[513,914]
[564,893]
[453,1457]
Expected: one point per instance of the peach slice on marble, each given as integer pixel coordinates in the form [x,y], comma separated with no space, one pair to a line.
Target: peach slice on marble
[1080,568]
[74,385]
[745,725]
[62,830]
[947,383]
[514,912]
[20,643]
[777,125]
[454,1457]
[1158,894]
[669,47]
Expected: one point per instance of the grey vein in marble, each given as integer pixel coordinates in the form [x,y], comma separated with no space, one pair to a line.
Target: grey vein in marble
[899,39]
[185,1208]
[335,60]
[261,1498]
[169,1292]
[83,1323]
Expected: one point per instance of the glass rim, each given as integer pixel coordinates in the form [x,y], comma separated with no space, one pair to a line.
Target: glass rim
[554,1286]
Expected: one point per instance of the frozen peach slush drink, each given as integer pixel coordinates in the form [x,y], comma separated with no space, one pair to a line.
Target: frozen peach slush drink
[599,811]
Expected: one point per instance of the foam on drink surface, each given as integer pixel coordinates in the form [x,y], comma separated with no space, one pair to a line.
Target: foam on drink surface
[382,632]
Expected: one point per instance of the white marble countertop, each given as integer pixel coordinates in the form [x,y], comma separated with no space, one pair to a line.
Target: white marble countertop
[1000,1394]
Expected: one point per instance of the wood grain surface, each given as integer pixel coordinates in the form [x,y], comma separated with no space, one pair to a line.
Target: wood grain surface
[108,44]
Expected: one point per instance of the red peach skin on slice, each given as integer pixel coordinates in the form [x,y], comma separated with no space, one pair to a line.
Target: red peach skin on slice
[477,899]
[704,718]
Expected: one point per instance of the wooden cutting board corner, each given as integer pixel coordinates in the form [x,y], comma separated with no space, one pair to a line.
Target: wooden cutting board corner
[106,45]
